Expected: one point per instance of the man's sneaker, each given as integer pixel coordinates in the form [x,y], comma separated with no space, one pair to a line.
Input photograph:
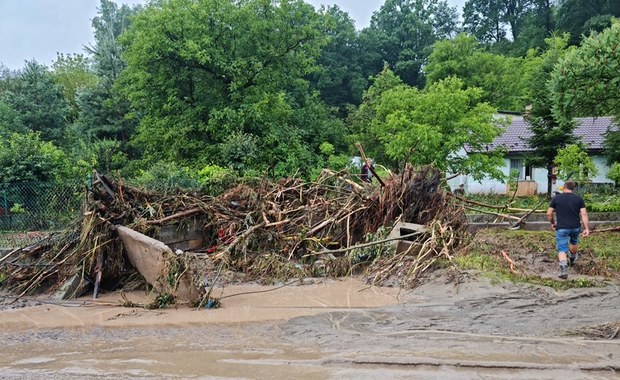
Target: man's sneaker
[563,272]
[573,258]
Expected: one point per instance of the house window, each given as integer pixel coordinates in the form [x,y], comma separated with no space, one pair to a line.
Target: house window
[524,171]
[516,164]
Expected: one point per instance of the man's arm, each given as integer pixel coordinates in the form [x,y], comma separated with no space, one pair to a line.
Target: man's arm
[550,211]
[586,221]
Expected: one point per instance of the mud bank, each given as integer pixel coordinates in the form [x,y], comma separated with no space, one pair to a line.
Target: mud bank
[440,330]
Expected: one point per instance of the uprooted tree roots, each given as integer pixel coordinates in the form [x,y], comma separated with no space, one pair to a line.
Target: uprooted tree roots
[267,231]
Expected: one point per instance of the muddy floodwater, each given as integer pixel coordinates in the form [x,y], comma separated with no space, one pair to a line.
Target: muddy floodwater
[331,330]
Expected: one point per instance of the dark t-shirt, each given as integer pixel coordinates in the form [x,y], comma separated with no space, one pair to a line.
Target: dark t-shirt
[567,206]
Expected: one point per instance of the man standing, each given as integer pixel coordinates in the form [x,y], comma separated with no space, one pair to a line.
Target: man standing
[568,207]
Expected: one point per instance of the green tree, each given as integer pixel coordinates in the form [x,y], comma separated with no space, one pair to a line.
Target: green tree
[550,131]
[432,127]
[35,102]
[73,73]
[580,17]
[575,163]
[105,121]
[402,34]
[361,120]
[242,72]
[488,19]
[339,77]
[538,23]
[586,82]
[502,79]
[484,19]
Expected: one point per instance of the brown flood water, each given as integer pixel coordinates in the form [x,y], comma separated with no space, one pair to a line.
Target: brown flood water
[333,330]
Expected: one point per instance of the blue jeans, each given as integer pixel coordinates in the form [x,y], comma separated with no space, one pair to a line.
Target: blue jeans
[564,236]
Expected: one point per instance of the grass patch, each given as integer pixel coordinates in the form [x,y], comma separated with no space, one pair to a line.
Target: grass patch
[600,257]
[492,268]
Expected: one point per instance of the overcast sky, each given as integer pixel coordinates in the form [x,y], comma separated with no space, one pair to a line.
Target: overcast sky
[38,29]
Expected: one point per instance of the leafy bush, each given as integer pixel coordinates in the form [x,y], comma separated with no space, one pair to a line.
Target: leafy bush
[166,176]
[216,179]
[614,173]
[611,206]
[25,157]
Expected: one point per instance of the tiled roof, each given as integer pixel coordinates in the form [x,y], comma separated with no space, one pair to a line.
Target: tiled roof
[590,130]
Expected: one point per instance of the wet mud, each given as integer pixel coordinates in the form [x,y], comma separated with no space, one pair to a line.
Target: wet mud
[333,330]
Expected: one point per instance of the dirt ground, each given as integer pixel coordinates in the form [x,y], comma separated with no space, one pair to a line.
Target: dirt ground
[342,329]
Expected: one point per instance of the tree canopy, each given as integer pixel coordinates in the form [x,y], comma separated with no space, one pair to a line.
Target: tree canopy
[278,88]
[434,125]
[404,32]
[586,82]
[203,86]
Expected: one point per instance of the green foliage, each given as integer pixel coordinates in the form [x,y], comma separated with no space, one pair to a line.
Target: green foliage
[587,79]
[502,79]
[550,131]
[26,157]
[614,173]
[230,92]
[72,72]
[575,163]
[361,120]
[167,176]
[608,206]
[403,32]
[488,20]
[484,19]
[104,112]
[34,102]
[339,77]
[371,254]
[431,127]
[611,145]
[216,179]
[580,17]
[161,301]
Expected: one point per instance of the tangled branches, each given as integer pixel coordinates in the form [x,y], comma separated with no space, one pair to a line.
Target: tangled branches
[268,231]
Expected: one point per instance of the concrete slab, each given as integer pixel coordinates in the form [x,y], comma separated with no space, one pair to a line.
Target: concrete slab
[402,229]
[151,257]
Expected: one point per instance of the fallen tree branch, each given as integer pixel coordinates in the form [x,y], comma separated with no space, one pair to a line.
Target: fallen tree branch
[493,213]
[239,239]
[609,229]
[498,207]
[518,223]
[509,260]
[364,245]
[175,216]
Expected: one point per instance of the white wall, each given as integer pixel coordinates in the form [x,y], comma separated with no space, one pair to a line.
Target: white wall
[491,186]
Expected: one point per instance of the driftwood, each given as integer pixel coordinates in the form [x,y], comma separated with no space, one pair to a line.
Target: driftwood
[520,221]
[494,213]
[608,229]
[178,215]
[267,231]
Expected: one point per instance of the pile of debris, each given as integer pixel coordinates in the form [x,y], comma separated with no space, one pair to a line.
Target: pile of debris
[265,231]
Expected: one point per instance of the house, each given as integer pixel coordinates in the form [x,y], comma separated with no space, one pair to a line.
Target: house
[532,180]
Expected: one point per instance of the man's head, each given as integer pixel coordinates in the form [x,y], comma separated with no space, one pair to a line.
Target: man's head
[569,185]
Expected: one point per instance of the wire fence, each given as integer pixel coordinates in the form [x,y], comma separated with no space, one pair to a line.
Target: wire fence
[30,211]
